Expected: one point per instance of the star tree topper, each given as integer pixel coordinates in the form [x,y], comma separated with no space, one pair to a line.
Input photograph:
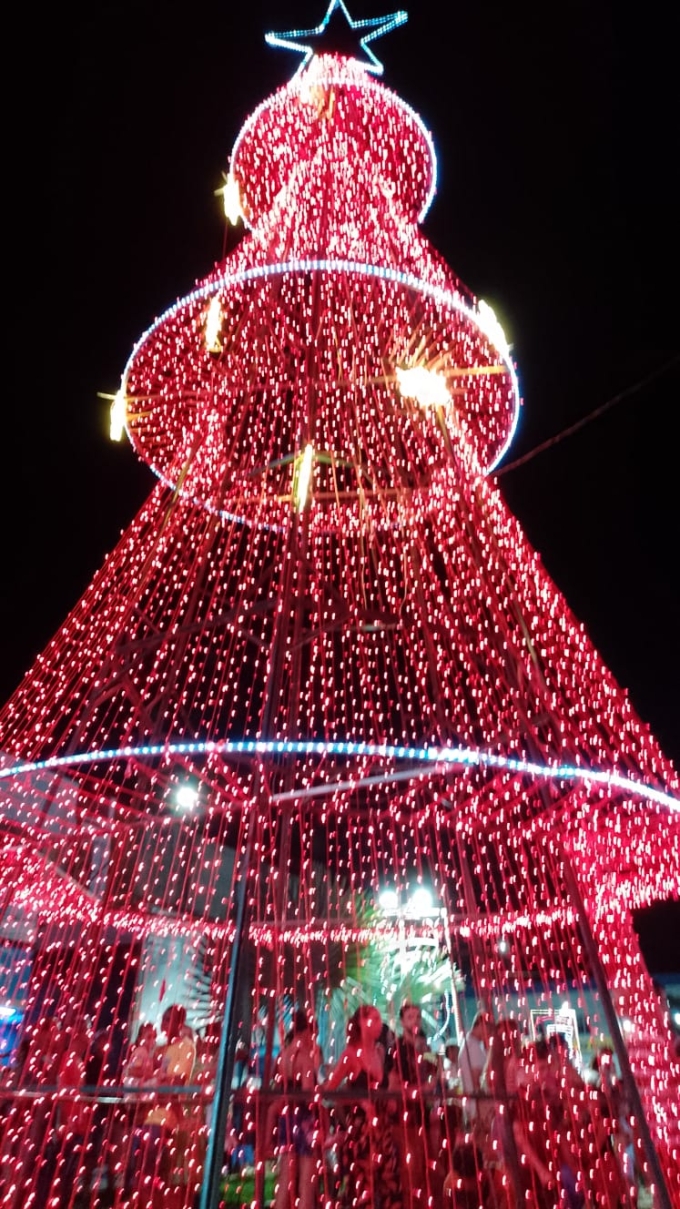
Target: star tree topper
[304,40]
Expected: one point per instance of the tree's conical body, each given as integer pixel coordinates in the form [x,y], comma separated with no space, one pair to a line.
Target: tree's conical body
[369,683]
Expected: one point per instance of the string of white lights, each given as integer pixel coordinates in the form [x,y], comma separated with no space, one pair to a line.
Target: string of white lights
[437,756]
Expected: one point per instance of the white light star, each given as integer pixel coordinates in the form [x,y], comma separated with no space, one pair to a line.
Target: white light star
[302,40]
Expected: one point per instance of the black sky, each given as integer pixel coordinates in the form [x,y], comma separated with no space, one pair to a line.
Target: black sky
[556,139]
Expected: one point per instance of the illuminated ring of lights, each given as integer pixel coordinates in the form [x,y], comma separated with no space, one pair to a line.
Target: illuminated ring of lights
[227,280]
[453,756]
[348,82]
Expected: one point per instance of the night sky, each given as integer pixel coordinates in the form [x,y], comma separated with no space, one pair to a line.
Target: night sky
[556,203]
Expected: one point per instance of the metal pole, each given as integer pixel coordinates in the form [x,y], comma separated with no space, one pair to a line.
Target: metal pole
[212,1175]
[210,1189]
[664,1198]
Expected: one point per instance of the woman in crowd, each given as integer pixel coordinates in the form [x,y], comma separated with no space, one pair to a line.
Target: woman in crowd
[368,1155]
[297,1126]
[543,1133]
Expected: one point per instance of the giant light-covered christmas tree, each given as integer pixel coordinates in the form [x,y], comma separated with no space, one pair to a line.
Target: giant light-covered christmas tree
[322,670]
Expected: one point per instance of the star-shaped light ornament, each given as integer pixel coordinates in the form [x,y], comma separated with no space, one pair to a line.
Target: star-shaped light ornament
[334,35]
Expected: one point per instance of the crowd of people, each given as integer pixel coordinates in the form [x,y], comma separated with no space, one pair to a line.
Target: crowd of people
[74,1133]
[499,1121]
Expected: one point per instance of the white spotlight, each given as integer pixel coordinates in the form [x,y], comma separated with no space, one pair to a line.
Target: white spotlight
[186,797]
[420,902]
[389,900]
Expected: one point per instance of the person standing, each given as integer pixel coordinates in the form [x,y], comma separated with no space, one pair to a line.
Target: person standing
[64,1153]
[297,1125]
[417,1077]
[471,1063]
[368,1155]
[501,1078]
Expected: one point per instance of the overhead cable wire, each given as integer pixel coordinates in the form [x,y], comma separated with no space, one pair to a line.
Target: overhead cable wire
[593,415]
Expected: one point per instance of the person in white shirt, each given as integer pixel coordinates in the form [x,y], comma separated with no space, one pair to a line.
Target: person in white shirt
[471,1062]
